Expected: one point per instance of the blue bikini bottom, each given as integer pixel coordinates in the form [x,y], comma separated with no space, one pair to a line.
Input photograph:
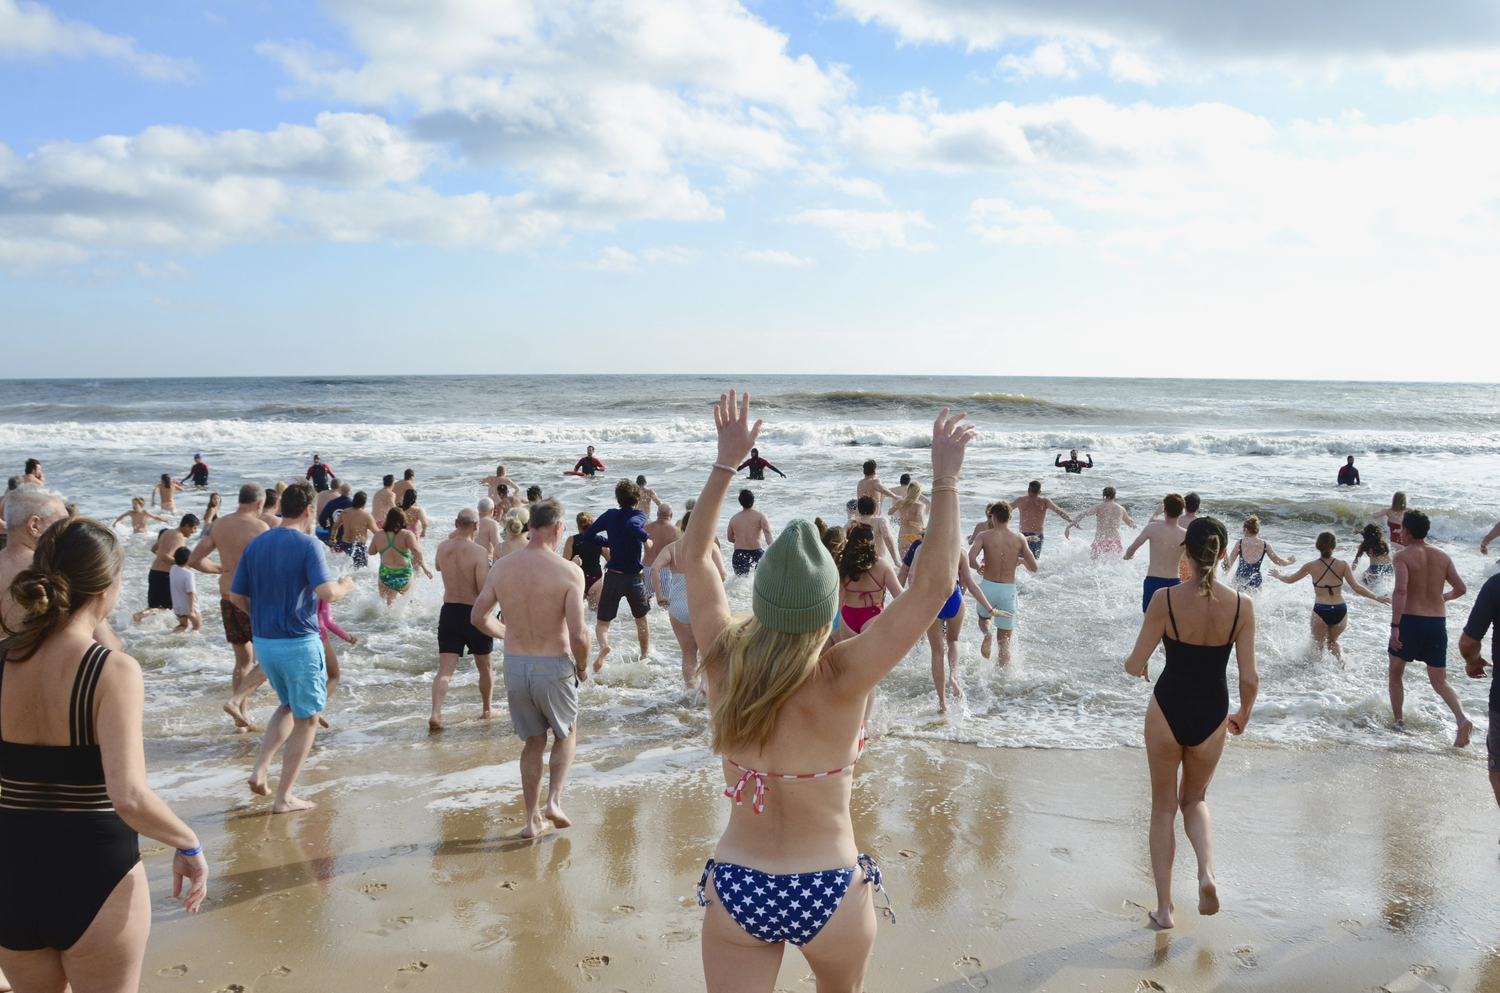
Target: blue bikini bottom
[791,908]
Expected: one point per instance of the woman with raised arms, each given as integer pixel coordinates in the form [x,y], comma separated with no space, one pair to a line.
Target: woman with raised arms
[1188,715]
[783,714]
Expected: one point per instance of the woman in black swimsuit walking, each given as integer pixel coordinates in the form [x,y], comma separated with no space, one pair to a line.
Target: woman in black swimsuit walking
[1188,715]
[74,906]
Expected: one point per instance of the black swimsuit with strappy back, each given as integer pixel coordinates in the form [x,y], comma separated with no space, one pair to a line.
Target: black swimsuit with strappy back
[1192,692]
[65,847]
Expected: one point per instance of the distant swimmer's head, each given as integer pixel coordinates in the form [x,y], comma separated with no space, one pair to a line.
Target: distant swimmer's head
[1350,461]
[189,523]
[664,512]
[627,494]
[747,498]
[1109,492]
[591,449]
[533,493]
[297,499]
[214,500]
[1416,524]
[389,481]
[585,521]
[755,451]
[273,497]
[467,519]
[166,479]
[359,500]
[999,512]
[1074,453]
[1205,542]
[345,489]
[546,518]
[866,506]
[769,655]
[1172,505]
[409,475]
[906,479]
[409,499]
[317,459]
[499,470]
[77,561]
[503,490]
[1192,502]
[180,556]
[1034,487]
[1398,502]
[869,467]
[640,480]
[486,506]
[1252,526]
[689,504]
[1326,543]
[137,502]
[198,457]
[32,466]
[395,520]
[516,521]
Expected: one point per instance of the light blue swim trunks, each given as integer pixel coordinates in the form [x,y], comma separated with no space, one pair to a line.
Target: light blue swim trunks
[294,668]
[1002,596]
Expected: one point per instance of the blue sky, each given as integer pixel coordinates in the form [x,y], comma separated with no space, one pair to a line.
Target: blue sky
[976,186]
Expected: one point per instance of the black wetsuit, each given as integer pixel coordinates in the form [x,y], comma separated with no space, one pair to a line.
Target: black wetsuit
[1348,476]
[1191,690]
[758,467]
[1073,465]
[588,465]
[319,472]
[199,474]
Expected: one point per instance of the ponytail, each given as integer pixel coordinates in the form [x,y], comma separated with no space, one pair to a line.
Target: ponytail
[1207,557]
[76,560]
[1205,542]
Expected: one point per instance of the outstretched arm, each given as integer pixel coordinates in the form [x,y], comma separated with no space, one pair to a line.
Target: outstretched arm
[1289,560]
[708,606]
[155,517]
[1058,511]
[1484,543]
[1140,540]
[1348,576]
[775,470]
[1294,577]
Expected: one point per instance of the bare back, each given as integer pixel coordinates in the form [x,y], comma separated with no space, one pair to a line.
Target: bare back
[464,566]
[1002,549]
[382,503]
[662,534]
[488,536]
[231,534]
[746,529]
[1165,537]
[1032,510]
[535,588]
[1426,571]
[355,525]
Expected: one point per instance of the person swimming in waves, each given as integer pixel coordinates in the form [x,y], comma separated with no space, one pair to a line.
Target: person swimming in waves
[1348,475]
[166,491]
[1073,465]
[1372,543]
[1247,575]
[1188,715]
[1330,614]
[1110,516]
[138,515]
[758,466]
[587,466]
[198,472]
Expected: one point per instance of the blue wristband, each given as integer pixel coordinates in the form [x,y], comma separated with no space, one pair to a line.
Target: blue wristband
[191,851]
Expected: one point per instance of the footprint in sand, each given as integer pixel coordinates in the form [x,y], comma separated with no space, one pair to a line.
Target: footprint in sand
[172,970]
[1149,986]
[370,889]
[281,970]
[1351,925]
[907,853]
[590,965]
[154,850]
[413,967]
[509,884]
[492,936]
[1246,955]
[1065,854]
[972,970]
[679,936]
[394,924]
[231,988]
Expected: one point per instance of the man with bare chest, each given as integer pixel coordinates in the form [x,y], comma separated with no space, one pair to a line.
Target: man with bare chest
[1032,509]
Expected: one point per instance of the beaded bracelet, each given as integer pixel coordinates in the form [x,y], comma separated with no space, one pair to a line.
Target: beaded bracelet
[190,852]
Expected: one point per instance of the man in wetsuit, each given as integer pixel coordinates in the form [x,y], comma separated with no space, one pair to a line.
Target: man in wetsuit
[758,466]
[1348,475]
[198,473]
[320,473]
[588,465]
[1073,465]
[1419,619]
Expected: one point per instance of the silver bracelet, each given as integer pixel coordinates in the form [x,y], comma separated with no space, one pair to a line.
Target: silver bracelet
[727,468]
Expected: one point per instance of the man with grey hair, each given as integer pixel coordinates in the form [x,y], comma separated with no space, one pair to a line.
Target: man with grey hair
[464,566]
[546,656]
[10,486]
[662,531]
[487,534]
[229,536]
[29,511]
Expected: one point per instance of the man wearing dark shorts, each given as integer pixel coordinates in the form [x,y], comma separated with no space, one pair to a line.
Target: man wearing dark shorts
[1485,616]
[625,534]
[463,564]
[1419,619]
[158,579]
[746,531]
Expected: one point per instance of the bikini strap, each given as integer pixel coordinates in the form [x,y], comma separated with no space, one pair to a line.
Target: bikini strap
[704,901]
[1176,636]
[872,875]
[81,707]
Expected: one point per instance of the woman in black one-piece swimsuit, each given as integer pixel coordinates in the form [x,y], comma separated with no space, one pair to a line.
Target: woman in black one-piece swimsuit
[74,906]
[1188,716]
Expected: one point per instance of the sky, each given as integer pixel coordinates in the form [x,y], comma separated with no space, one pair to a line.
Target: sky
[1200,188]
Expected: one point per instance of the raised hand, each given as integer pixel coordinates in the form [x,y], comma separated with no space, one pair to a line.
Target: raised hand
[949,438]
[736,434]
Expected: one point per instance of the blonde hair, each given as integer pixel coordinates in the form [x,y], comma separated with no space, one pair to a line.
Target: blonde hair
[913,494]
[1398,502]
[516,520]
[137,500]
[762,668]
[1252,524]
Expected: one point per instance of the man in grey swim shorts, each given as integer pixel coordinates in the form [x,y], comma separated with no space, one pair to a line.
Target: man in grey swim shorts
[546,657]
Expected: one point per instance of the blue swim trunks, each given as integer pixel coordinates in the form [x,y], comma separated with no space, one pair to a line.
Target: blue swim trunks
[1151,585]
[294,668]
[1424,639]
[1035,542]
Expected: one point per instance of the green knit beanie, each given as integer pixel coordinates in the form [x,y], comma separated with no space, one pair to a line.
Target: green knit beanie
[796,583]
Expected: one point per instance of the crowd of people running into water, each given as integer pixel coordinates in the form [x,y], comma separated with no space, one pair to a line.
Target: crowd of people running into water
[789,687]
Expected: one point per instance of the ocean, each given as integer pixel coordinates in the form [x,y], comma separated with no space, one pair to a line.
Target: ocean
[1268,448]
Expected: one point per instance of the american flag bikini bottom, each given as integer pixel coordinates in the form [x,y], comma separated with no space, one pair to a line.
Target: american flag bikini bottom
[792,907]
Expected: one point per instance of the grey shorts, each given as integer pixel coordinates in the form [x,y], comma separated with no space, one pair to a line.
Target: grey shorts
[542,692]
[1492,741]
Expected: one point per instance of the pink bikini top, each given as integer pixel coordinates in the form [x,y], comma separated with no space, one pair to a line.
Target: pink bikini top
[758,800]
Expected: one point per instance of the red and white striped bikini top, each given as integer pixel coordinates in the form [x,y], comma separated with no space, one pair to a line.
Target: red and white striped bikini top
[758,799]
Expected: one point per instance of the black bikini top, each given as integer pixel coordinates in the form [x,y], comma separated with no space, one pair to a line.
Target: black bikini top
[60,777]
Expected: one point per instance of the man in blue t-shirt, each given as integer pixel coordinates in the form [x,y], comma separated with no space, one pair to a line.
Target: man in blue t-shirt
[625,528]
[1483,618]
[280,578]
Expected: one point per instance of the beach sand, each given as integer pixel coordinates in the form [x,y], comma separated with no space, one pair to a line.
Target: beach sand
[1010,869]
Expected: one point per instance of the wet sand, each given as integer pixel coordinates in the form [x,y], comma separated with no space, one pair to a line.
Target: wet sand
[1014,869]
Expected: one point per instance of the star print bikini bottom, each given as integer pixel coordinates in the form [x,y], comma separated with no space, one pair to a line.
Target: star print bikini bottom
[791,908]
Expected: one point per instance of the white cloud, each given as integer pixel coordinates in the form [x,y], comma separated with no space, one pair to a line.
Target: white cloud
[614,259]
[669,254]
[1000,221]
[869,229]
[32,30]
[1050,60]
[775,256]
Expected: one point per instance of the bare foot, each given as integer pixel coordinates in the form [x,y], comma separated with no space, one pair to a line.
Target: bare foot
[1208,897]
[536,830]
[599,662]
[1163,921]
[291,804]
[984,646]
[323,721]
[1400,724]
[434,724]
[486,714]
[942,706]
[258,786]
[1464,730]
[958,691]
[236,714]
[554,813]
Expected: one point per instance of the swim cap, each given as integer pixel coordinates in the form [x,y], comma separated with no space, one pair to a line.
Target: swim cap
[796,583]
[1201,528]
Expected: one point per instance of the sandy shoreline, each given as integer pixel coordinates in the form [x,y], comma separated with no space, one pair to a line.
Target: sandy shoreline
[1019,869]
